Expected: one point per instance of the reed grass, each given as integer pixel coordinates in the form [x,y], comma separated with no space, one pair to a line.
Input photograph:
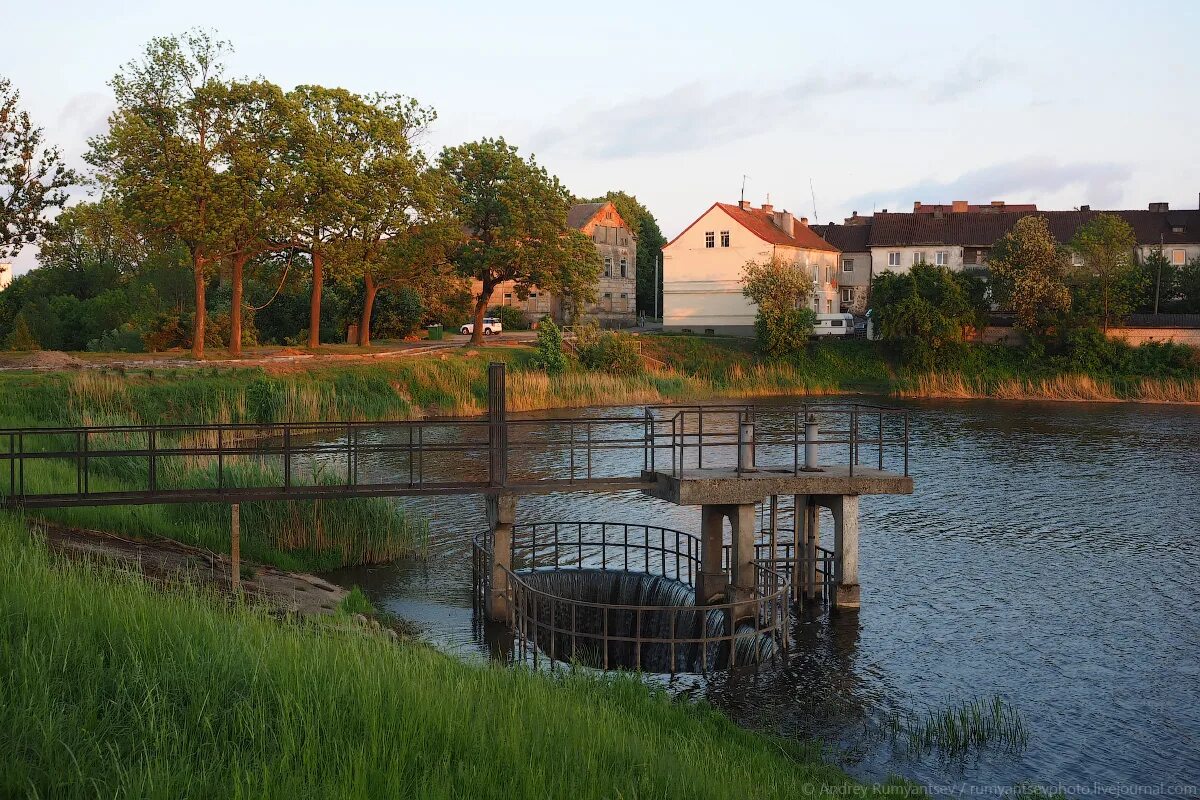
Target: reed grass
[109,688]
[961,728]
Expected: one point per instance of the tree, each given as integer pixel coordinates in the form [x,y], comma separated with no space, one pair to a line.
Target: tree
[926,309]
[416,259]
[650,241]
[1189,287]
[163,155]
[1158,282]
[1106,286]
[1028,270]
[548,352]
[780,290]
[256,187]
[33,179]
[514,215]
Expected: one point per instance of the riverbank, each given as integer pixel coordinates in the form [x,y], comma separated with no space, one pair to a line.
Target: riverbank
[111,687]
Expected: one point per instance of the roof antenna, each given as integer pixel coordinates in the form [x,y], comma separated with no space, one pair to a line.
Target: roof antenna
[816,219]
[743,200]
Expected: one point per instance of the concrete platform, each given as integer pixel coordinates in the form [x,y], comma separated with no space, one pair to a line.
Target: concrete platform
[724,486]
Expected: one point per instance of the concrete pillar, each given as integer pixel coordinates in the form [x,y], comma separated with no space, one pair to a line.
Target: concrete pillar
[845,538]
[501,514]
[811,540]
[713,581]
[741,560]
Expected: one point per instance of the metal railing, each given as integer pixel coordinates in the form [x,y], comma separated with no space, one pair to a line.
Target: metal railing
[549,624]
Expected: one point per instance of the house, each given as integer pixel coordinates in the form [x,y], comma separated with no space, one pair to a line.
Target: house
[616,296]
[6,275]
[962,236]
[854,271]
[702,266]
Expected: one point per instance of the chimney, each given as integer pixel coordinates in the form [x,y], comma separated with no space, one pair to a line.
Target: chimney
[917,205]
[959,206]
[998,204]
[785,222]
[1160,207]
[744,205]
[1085,208]
[804,221]
[767,207]
[883,211]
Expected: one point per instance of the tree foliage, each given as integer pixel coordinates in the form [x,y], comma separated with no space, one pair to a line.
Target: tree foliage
[780,290]
[926,309]
[514,217]
[548,351]
[1029,270]
[33,179]
[1106,286]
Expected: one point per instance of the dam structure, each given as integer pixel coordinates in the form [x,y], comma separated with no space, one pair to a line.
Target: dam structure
[612,593]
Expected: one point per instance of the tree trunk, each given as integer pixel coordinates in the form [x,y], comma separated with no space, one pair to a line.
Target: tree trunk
[235,307]
[364,325]
[201,309]
[481,304]
[314,309]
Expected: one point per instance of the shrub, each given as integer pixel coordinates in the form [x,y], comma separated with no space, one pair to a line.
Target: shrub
[511,317]
[397,314]
[548,352]
[21,337]
[608,351]
[780,291]
[119,340]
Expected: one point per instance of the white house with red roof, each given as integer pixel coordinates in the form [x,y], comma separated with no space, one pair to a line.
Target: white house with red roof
[702,267]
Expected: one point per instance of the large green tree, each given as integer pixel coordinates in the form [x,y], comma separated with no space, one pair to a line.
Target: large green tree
[650,242]
[1106,285]
[925,309]
[1028,275]
[163,155]
[514,216]
[780,291]
[33,179]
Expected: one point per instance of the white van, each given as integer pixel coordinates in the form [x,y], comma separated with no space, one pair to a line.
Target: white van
[833,325]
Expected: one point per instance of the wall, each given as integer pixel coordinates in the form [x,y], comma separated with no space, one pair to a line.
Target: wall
[879,257]
[1190,251]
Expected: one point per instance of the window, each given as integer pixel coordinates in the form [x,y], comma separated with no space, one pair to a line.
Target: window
[507,298]
[608,266]
[624,295]
[919,257]
[943,258]
[847,265]
[837,323]
[1178,257]
[847,295]
[724,238]
[828,306]
[894,259]
[533,295]
[829,274]
[608,295]
[1177,229]
[1076,259]
[624,266]
[710,239]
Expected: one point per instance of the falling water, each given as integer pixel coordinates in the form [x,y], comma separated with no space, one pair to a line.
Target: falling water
[669,614]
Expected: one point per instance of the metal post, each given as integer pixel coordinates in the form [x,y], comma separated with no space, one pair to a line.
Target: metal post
[811,457]
[745,445]
[235,550]
[497,426]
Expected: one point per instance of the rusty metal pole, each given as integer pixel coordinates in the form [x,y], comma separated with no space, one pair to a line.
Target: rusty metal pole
[235,550]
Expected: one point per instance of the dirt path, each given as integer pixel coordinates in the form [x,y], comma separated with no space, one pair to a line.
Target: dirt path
[168,561]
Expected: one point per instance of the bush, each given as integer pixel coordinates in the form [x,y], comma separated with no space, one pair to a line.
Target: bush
[21,337]
[511,317]
[548,352]
[397,314]
[120,340]
[780,291]
[608,351]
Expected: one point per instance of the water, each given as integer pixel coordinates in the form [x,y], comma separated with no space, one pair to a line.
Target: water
[1050,555]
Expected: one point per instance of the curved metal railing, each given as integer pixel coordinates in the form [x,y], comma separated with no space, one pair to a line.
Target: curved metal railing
[556,564]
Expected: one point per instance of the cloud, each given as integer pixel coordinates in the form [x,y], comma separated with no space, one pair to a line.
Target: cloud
[970,76]
[690,117]
[1101,182]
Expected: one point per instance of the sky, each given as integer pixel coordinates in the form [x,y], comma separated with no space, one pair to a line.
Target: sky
[824,109]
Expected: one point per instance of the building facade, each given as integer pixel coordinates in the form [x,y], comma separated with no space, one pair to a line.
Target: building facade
[6,275]
[702,266]
[616,295]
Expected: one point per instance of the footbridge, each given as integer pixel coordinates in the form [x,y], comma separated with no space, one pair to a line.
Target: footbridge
[727,460]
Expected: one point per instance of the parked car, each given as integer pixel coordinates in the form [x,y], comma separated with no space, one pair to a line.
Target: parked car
[491,327]
[833,325]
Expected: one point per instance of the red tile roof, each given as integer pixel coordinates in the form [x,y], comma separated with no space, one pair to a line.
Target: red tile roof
[761,224]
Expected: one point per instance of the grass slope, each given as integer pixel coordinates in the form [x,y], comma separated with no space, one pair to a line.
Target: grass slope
[109,688]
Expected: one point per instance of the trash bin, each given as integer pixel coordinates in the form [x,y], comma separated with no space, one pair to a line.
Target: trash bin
[435,333]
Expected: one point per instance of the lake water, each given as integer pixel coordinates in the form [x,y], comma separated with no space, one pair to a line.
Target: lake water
[1050,554]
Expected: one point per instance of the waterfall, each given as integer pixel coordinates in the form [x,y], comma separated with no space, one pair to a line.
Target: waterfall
[667,610]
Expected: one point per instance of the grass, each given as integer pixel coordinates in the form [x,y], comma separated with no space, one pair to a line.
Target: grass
[961,728]
[110,688]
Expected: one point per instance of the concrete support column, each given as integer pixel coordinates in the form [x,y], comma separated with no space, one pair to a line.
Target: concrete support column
[845,537]
[741,559]
[501,514]
[713,581]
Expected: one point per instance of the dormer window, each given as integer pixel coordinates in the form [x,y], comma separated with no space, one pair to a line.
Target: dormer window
[1177,229]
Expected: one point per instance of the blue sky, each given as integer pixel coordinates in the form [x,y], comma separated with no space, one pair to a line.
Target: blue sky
[875,104]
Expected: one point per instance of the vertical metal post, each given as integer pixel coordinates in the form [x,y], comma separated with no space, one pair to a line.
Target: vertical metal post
[811,448]
[745,461]
[235,550]
[287,457]
[497,426]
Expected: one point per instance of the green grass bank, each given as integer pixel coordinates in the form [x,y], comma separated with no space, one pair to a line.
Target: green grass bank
[111,688]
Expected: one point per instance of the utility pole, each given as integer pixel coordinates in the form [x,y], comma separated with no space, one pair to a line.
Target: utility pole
[1158,277]
[657,267]
[235,550]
